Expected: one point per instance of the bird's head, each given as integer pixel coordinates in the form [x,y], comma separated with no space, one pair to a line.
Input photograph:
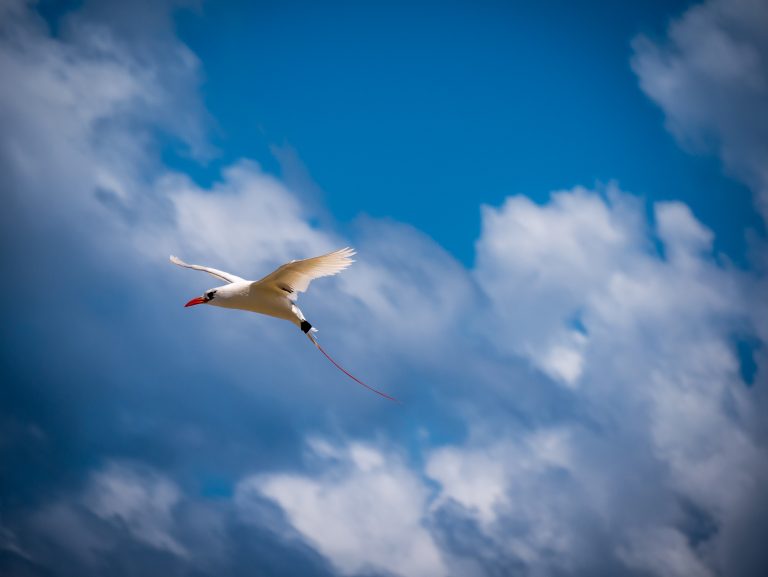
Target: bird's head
[207,297]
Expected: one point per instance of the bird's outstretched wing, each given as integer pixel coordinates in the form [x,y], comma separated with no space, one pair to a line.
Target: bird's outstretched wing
[295,276]
[220,274]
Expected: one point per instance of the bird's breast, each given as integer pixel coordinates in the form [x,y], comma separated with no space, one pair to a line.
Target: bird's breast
[260,301]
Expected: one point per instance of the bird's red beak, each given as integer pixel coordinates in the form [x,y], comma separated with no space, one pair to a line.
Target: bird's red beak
[195,301]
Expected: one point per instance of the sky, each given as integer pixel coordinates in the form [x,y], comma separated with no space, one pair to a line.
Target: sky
[560,217]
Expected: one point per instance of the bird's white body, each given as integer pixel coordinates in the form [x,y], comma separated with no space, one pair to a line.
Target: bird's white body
[250,296]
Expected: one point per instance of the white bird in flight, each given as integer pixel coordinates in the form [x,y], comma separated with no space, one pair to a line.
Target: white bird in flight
[275,295]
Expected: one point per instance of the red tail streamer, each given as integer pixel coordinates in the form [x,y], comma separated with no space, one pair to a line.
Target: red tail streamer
[350,375]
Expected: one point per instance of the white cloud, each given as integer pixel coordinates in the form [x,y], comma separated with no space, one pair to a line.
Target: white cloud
[249,222]
[364,511]
[477,480]
[140,499]
[684,237]
[118,502]
[654,364]
[565,362]
[710,76]
[538,265]
[485,478]
[663,551]
[64,97]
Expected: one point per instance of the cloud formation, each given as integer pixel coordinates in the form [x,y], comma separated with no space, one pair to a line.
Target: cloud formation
[142,502]
[710,77]
[362,508]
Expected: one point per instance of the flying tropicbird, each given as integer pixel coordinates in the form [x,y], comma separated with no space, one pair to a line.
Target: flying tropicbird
[275,295]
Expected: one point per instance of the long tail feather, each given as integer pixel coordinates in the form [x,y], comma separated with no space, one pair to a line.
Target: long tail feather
[350,375]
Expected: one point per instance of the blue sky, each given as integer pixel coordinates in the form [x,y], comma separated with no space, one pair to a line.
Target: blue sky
[469,103]
[559,213]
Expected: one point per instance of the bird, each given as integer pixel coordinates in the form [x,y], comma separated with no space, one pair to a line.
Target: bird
[275,295]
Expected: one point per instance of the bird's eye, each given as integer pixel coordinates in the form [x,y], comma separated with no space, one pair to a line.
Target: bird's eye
[210,294]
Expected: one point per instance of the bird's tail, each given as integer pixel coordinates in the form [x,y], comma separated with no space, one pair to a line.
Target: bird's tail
[309,332]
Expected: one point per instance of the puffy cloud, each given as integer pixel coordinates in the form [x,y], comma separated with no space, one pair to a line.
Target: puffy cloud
[84,104]
[710,76]
[649,314]
[498,484]
[538,265]
[249,222]
[364,510]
